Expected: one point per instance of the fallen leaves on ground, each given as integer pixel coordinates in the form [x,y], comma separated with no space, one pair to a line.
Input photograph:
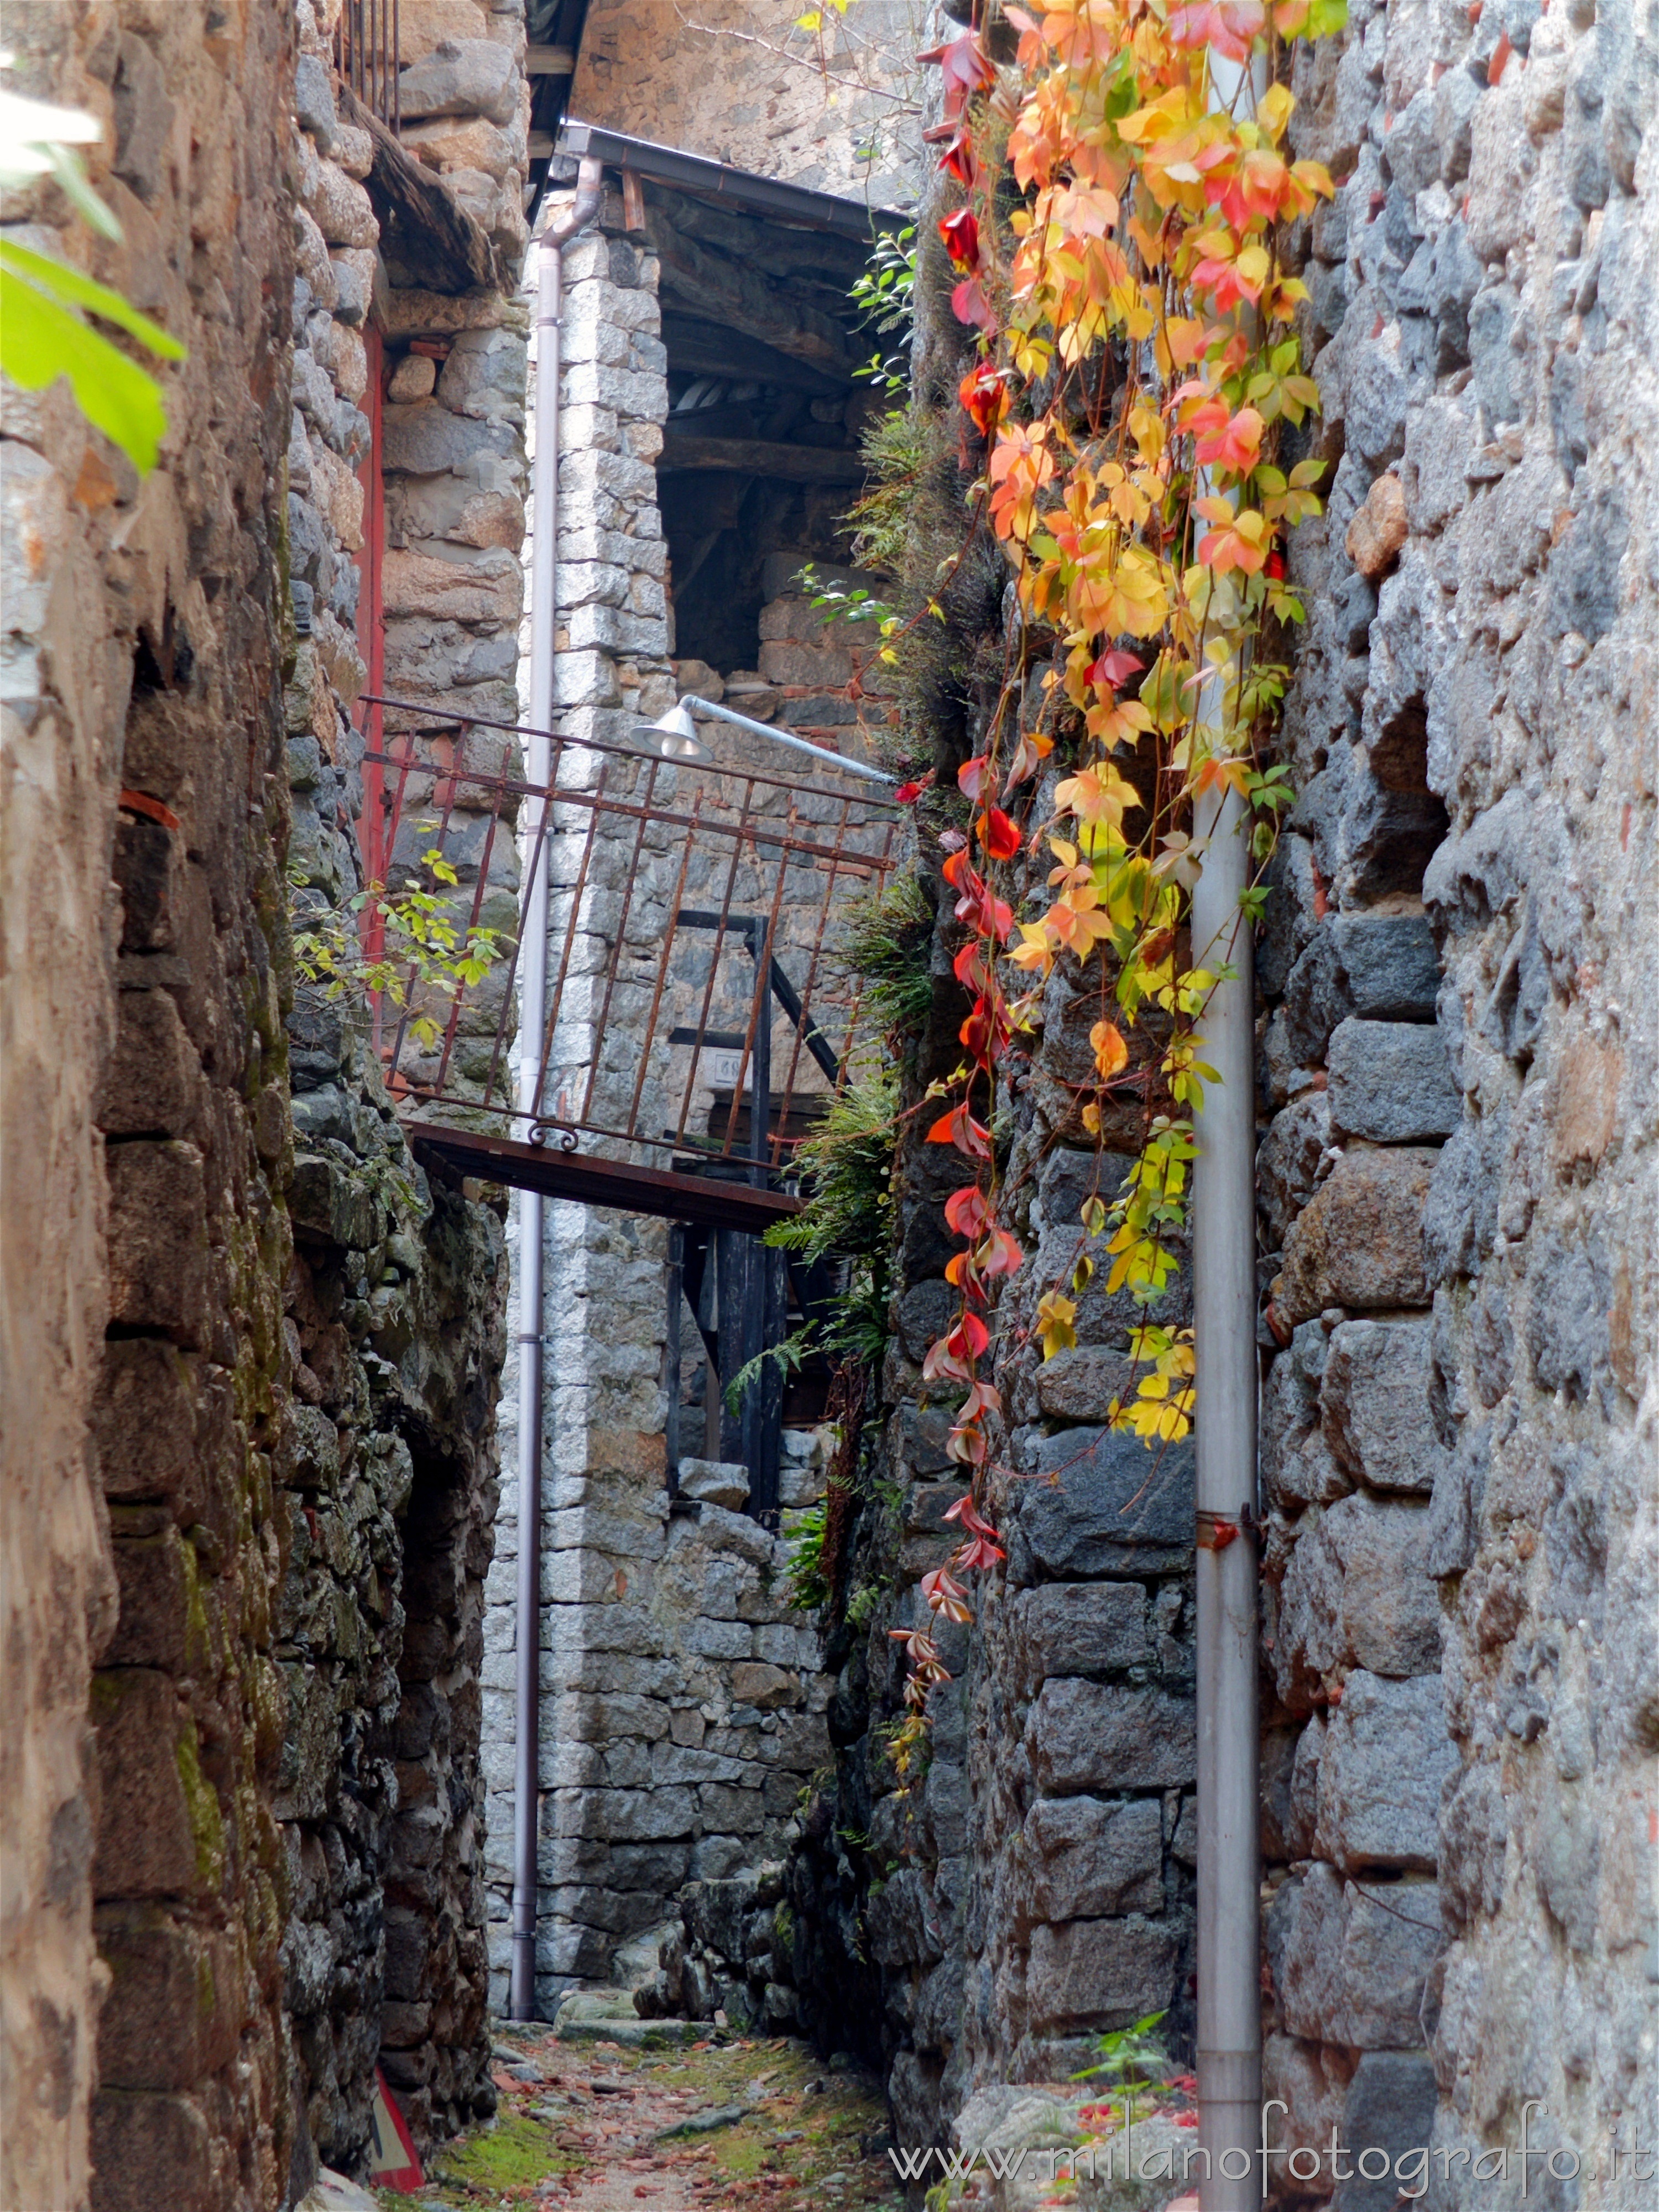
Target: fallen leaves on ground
[712,2127]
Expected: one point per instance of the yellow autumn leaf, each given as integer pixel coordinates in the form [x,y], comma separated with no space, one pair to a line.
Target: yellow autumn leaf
[1055,1315]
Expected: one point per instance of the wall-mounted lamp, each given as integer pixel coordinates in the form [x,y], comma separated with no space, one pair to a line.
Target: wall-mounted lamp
[675,736]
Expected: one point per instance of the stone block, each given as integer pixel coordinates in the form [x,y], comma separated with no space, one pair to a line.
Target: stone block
[150,2149]
[1080,1385]
[719,1639]
[160,1625]
[1088,1736]
[1082,1629]
[1350,1962]
[462,77]
[1358,1592]
[1088,1858]
[1390,2107]
[1378,531]
[818,668]
[755,1683]
[1311,2082]
[171,2014]
[1098,1974]
[1375,1406]
[484,376]
[486,588]
[152,1082]
[1104,1505]
[1391,1081]
[1288,1161]
[144,1421]
[714,1482]
[734,1811]
[158,1244]
[1359,1241]
[426,439]
[621,1815]
[160,1830]
[1386,1755]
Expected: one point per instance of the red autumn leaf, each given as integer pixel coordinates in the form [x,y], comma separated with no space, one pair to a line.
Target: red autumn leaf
[962,1273]
[979,1552]
[966,1212]
[969,969]
[1114,668]
[1275,567]
[985,1033]
[985,914]
[908,793]
[959,160]
[1001,1254]
[970,776]
[958,1127]
[984,395]
[1229,25]
[967,1513]
[1030,754]
[969,305]
[1000,839]
[945,1595]
[957,864]
[960,231]
[983,1398]
[964,69]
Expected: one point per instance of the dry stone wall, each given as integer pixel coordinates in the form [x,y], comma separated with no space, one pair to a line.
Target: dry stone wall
[1456,1182]
[146,1232]
[273,1384]
[397,1291]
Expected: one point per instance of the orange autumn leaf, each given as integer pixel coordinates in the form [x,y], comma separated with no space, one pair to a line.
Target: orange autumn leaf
[1111,1054]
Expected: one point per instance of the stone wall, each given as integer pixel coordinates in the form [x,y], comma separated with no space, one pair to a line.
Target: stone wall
[1460,1542]
[148,1132]
[396,1295]
[267,1394]
[1455,1193]
[746,85]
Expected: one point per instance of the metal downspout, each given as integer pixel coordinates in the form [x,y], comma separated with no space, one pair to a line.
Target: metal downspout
[1223,1271]
[533,1012]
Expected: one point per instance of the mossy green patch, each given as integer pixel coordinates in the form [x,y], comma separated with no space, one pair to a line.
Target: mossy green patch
[515,2150]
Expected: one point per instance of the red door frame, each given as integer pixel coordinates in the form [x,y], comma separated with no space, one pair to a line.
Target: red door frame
[371,613]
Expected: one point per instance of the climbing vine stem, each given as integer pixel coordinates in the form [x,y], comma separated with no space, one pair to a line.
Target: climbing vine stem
[1123,263]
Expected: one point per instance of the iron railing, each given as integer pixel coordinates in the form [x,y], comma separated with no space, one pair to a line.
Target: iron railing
[366,54]
[693,965]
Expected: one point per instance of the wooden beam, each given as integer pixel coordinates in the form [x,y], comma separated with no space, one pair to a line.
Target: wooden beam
[708,1199]
[550,61]
[706,349]
[421,220]
[756,457]
[743,296]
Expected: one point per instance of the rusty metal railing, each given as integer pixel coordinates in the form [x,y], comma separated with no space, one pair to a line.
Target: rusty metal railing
[698,1017]
[366,54]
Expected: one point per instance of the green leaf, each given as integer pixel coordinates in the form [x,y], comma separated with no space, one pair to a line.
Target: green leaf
[41,341]
[64,282]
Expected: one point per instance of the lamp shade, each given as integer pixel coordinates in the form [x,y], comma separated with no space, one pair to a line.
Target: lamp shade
[674,736]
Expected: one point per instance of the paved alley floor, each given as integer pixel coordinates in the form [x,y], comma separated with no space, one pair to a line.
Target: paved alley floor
[720,2126]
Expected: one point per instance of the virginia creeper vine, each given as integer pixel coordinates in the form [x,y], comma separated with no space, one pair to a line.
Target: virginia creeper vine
[1137,358]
